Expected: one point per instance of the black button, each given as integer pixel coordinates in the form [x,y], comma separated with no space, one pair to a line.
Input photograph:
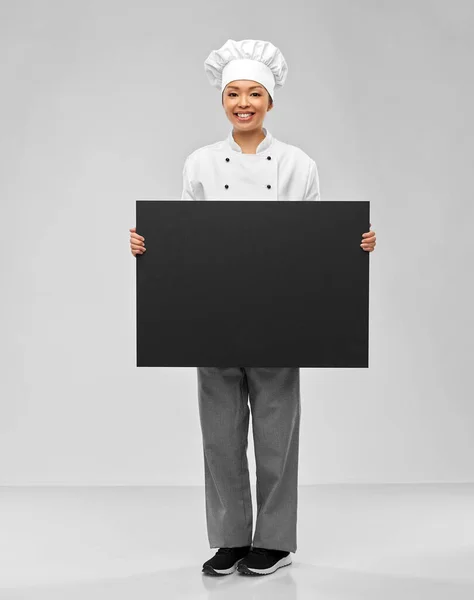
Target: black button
[227,159]
[269,186]
[269,158]
[226,186]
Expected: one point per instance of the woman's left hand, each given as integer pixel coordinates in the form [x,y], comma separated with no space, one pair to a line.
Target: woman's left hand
[368,240]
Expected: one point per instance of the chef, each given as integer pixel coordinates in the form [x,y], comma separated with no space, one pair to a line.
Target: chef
[247,73]
[250,164]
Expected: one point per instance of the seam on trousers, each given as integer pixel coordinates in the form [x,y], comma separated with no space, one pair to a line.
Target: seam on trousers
[242,457]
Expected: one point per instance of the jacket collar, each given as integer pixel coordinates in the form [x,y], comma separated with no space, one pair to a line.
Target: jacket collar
[262,147]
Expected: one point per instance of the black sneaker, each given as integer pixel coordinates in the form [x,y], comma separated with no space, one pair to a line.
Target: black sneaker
[225,560]
[262,561]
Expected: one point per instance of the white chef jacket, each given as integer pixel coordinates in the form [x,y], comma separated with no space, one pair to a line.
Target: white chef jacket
[278,171]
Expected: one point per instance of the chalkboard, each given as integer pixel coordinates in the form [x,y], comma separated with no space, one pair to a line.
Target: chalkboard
[261,283]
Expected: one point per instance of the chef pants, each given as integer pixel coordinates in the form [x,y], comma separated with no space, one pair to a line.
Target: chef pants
[274,394]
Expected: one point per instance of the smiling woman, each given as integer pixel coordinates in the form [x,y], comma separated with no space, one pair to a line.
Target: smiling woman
[250,164]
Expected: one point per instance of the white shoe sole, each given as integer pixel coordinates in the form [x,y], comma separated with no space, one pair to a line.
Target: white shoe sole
[283,562]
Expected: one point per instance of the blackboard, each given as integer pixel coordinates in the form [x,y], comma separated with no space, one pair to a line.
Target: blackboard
[260,283]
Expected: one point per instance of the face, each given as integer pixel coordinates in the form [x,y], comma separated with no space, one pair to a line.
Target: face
[245,96]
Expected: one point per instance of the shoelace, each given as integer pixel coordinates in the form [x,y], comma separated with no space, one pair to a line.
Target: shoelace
[254,550]
[259,550]
[225,550]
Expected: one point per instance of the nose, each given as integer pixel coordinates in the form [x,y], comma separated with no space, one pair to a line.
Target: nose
[243,104]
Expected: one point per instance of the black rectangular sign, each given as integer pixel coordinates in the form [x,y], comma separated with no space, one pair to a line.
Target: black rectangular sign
[252,283]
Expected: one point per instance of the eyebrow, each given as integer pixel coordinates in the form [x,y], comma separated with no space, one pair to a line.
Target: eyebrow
[236,87]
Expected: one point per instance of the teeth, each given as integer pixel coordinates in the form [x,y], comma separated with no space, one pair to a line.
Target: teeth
[243,115]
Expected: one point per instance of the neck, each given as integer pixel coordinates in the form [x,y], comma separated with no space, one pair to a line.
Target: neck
[249,140]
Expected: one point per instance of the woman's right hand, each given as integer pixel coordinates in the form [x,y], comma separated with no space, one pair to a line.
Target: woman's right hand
[137,242]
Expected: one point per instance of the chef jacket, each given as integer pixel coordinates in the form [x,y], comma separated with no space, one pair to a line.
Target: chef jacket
[278,171]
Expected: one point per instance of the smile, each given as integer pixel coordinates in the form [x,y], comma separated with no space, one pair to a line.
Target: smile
[244,116]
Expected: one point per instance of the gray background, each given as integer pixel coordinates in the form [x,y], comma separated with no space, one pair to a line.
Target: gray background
[101,103]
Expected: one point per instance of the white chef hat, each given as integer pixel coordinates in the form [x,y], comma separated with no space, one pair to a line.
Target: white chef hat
[254,60]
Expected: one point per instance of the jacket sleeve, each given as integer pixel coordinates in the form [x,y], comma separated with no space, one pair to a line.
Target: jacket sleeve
[188,192]
[312,185]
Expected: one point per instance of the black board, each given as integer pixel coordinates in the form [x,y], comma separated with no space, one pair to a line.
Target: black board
[252,283]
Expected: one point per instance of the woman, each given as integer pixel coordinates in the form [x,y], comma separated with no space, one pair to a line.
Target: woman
[250,164]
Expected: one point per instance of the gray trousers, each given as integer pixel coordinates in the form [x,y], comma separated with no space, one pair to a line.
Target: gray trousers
[274,394]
